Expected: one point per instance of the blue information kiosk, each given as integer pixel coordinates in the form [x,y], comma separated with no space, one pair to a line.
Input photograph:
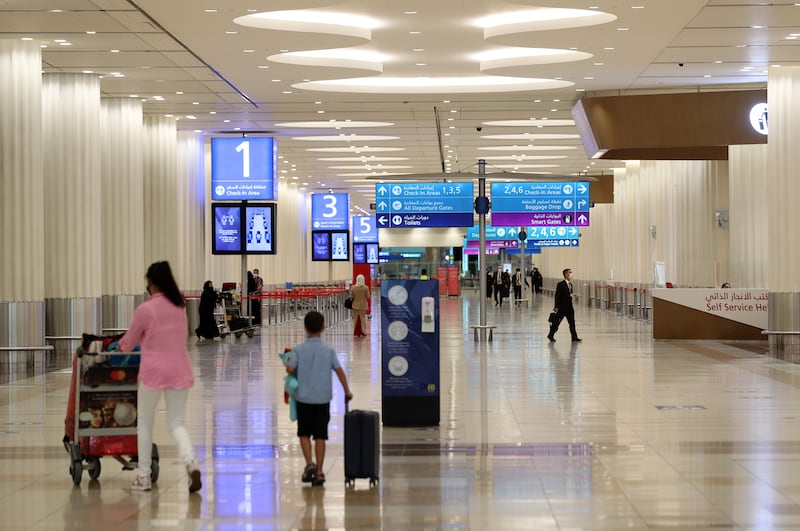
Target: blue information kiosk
[410,352]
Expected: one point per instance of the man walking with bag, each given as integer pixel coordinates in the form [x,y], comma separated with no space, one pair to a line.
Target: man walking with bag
[563,306]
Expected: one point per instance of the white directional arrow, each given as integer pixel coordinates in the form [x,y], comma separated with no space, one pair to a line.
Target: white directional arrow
[383,220]
[582,188]
[382,190]
[512,232]
[382,205]
[574,242]
[582,218]
[573,231]
[581,203]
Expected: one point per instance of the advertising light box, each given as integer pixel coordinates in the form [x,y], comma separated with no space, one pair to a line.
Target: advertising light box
[359,253]
[340,246]
[320,246]
[227,229]
[372,253]
[330,211]
[243,169]
[260,225]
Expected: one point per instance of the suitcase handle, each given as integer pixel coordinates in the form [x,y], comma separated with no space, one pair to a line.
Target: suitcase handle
[346,405]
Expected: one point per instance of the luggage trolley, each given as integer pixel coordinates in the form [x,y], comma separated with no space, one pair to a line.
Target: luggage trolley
[231,319]
[102,411]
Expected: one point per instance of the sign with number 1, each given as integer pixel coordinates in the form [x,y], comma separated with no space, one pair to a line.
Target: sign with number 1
[243,169]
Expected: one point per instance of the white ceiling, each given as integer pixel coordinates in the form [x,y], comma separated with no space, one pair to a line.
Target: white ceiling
[193,47]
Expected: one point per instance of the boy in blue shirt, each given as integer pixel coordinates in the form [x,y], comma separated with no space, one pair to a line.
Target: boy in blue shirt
[313,362]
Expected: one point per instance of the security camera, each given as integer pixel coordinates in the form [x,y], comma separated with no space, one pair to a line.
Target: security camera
[680,64]
[479,129]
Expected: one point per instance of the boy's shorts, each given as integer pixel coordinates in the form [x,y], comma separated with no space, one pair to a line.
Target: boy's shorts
[312,420]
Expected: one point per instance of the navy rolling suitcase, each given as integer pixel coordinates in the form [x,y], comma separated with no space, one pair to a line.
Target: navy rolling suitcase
[362,443]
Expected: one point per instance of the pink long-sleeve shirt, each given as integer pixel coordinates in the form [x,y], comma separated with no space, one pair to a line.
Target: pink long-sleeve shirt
[160,328]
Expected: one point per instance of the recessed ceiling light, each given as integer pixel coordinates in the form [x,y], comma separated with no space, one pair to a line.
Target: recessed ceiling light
[212,112]
[179,92]
[252,10]
[741,46]
[59,40]
[420,64]
[284,51]
[791,38]
[588,78]
[263,66]
[718,62]
[114,51]
[287,91]
[65,44]
[609,48]
[133,96]
[91,32]
[317,103]
[599,64]
[248,51]
[409,12]
[414,32]
[195,103]
[231,32]
[210,10]
[88,72]
[580,90]
[419,49]
[237,128]
[168,115]
[191,117]
[707,75]
[320,112]
[27,38]
[198,131]
[623,29]
[42,46]
[276,80]
[757,27]
[637,7]
[226,121]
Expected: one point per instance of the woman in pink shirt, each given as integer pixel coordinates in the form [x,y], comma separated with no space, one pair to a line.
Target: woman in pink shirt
[159,326]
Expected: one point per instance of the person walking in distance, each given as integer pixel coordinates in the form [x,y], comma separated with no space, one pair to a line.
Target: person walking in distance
[360,293]
[563,306]
[159,325]
[498,287]
[519,278]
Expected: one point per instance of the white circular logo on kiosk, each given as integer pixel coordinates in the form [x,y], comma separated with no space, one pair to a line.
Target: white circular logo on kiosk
[398,330]
[758,118]
[219,190]
[398,295]
[398,366]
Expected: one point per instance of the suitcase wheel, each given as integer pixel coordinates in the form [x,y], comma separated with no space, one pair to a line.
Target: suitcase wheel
[373,482]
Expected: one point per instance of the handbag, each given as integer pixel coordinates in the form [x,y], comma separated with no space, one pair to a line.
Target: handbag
[348,303]
[555,318]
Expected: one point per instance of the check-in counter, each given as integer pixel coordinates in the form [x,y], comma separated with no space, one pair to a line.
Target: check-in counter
[700,313]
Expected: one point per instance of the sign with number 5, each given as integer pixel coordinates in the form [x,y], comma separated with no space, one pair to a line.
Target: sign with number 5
[364,229]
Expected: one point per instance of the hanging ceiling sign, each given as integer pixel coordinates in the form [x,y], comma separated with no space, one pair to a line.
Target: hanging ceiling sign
[540,204]
[244,169]
[330,211]
[410,205]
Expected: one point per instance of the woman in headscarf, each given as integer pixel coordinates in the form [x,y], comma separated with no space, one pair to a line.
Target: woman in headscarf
[360,293]
[208,301]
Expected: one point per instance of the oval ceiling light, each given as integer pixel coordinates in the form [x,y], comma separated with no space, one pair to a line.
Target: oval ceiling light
[524,158]
[523,166]
[311,21]
[355,149]
[532,136]
[335,57]
[371,158]
[346,138]
[518,56]
[526,148]
[540,19]
[433,85]
[333,124]
[531,123]
[369,174]
[375,168]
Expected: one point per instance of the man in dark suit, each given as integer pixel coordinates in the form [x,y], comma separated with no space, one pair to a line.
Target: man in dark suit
[563,306]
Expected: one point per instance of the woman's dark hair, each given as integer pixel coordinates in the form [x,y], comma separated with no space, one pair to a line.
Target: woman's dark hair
[207,285]
[160,274]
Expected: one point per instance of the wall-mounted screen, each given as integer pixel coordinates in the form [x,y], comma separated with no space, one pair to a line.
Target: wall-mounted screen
[259,222]
[340,246]
[359,253]
[321,246]
[243,169]
[372,253]
[330,211]
[227,229]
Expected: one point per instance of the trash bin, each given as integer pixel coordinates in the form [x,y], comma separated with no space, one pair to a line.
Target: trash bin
[193,313]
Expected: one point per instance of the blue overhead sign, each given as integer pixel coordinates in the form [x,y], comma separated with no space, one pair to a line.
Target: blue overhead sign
[493,233]
[424,204]
[243,169]
[533,233]
[364,229]
[330,211]
[540,204]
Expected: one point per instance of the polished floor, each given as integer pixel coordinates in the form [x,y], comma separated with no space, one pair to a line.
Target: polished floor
[617,432]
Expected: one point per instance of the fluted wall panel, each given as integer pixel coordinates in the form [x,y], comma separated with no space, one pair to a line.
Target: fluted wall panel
[161,203]
[678,199]
[122,187]
[782,180]
[748,216]
[21,206]
[72,213]
[189,268]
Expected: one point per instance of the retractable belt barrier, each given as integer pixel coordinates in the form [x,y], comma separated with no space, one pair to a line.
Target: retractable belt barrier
[280,306]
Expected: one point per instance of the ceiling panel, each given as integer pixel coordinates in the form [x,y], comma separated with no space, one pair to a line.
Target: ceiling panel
[745,16]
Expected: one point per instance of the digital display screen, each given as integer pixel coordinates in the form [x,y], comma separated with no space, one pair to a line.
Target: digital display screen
[227,229]
[365,229]
[359,253]
[243,169]
[259,222]
[372,253]
[330,211]
[340,246]
[321,246]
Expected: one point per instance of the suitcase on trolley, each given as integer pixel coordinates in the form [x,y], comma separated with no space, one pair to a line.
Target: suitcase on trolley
[362,442]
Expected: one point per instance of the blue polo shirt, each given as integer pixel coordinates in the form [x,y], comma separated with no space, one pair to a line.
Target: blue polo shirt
[314,361]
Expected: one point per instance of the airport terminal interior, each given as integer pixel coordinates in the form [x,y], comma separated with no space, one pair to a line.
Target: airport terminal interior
[645,144]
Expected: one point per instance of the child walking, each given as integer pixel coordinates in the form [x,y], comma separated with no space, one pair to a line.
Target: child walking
[312,362]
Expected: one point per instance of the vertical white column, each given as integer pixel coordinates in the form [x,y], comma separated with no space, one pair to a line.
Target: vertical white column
[748,216]
[783,190]
[21,207]
[160,191]
[121,140]
[71,154]
[190,266]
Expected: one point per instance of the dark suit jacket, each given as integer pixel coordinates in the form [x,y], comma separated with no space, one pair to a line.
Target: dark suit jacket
[563,298]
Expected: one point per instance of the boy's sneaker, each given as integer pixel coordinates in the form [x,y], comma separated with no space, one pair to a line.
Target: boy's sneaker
[194,477]
[310,473]
[319,480]
[141,484]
